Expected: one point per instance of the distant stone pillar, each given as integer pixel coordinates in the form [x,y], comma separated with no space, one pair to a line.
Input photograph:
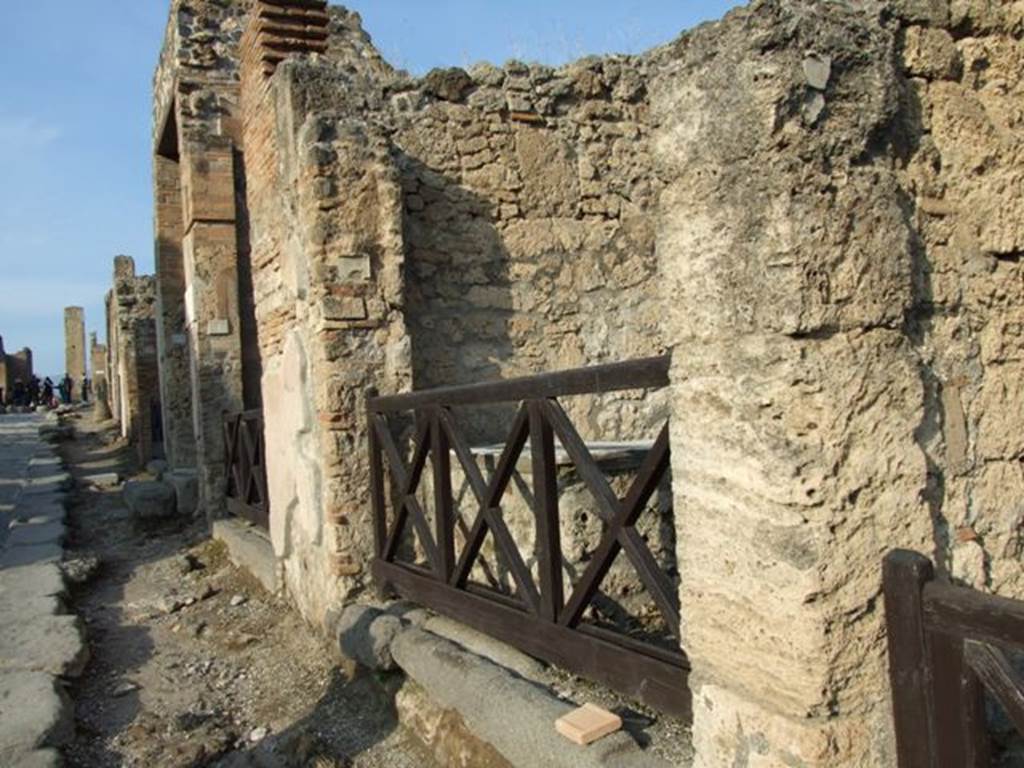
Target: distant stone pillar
[787,256]
[74,347]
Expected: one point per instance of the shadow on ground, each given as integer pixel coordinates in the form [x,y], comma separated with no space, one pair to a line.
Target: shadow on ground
[192,663]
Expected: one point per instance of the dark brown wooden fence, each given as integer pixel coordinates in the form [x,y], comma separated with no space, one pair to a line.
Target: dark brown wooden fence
[946,650]
[246,467]
[544,618]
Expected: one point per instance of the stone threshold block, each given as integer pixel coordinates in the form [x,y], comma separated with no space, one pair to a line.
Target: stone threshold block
[40,643]
[249,548]
[513,715]
[34,713]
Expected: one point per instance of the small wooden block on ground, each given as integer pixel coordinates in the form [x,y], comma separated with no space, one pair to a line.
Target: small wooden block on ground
[587,724]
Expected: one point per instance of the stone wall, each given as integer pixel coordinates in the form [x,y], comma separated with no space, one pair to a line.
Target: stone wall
[962,170]
[324,203]
[19,365]
[529,227]
[113,380]
[814,207]
[830,402]
[16,367]
[172,330]
[195,140]
[133,358]
[100,388]
[74,346]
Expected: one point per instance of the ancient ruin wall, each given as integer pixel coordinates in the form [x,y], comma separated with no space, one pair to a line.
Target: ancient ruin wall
[195,131]
[172,326]
[527,234]
[530,196]
[830,274]
[18,367]
[324,206]
[100,387]
[134,361]
[836,273]
[963,172]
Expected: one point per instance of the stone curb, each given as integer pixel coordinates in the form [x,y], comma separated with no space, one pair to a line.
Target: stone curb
[513,715]
[43,645]
[498,704]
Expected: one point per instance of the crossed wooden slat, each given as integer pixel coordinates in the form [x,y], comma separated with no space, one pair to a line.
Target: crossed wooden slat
[250,491]
[997,674]
[488,497]
[535,419]
[245,465]
[407,479]
[620,518]
[232,428]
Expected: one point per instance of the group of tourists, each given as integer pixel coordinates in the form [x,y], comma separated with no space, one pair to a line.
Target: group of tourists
[36,393]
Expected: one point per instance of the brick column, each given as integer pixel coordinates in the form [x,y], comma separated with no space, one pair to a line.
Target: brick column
[210,256]
[172,336]
[325,213]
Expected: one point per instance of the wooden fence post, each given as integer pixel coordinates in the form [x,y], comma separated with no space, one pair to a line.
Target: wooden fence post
[904,575]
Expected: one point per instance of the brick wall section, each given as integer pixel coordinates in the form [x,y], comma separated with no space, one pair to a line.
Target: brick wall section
[326,273]
[196,95]
[133,357]
[172,332]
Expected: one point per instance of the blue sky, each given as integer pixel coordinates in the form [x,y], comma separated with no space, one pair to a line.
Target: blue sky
[75,185]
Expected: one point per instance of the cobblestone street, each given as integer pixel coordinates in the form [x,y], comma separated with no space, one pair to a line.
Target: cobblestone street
[19,439]
[41,643]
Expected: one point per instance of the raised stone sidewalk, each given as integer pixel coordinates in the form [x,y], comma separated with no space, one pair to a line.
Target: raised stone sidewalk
[41,646]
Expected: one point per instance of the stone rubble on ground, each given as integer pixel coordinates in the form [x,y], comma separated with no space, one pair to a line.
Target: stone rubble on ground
[80,569]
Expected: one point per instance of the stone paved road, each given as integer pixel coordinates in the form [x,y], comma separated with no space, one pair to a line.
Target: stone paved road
[40,644]
[19,439]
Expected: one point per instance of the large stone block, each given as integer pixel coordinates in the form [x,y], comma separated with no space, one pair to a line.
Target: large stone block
[186,490]
[364,634]
[208,185]
[34,712]
[731,729]
[250,549]
[149,500]
[44,643]
[788,269]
